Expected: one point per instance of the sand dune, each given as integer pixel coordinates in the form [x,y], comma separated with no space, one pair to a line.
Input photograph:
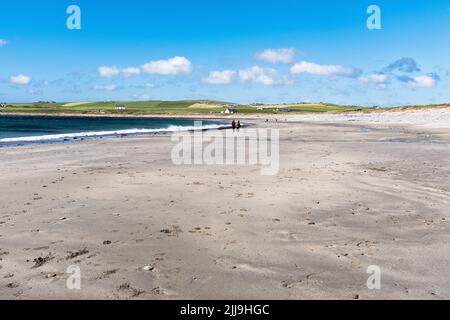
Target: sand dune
[427,117]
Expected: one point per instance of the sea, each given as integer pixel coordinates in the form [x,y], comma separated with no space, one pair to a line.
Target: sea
[19,130]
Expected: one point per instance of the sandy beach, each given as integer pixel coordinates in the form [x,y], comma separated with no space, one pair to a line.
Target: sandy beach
[351,192]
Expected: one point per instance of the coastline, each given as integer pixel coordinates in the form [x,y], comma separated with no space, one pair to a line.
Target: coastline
[344,199]
[112,115]
[431,118]
[293,115]
[85,130]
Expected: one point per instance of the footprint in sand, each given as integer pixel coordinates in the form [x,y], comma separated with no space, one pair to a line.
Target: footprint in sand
[289,284]
[286,236]
[12,285]
[128,290]
[107,273]
[75,254]
[41,248]
[40,261]
[253,269]
[173,232]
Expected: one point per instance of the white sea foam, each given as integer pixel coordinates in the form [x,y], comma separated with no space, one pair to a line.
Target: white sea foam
[89,134]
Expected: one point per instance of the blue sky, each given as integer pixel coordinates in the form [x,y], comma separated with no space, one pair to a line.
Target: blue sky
[241,51]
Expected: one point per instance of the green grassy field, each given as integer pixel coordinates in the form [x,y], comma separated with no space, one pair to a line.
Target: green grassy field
[188,107]
[162,108]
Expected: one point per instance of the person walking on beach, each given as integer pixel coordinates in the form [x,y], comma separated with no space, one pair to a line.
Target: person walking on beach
[233,125]
[238,126]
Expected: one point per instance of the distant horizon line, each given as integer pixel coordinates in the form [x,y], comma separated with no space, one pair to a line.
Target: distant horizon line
[232,103]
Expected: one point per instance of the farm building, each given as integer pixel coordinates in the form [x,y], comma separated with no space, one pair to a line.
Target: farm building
[230,111]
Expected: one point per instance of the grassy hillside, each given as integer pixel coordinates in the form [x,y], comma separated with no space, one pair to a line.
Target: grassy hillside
[163,107]
[133,107]
[186,107]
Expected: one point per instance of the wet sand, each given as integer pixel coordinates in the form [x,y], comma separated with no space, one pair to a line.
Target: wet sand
[347,196]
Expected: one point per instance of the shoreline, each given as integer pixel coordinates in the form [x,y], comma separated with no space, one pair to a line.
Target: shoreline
[91,135]
[156,116]
[254,116]
[423,119]
[112,115]
[345,199]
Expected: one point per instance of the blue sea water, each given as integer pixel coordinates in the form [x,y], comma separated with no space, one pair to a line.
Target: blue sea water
[37,129]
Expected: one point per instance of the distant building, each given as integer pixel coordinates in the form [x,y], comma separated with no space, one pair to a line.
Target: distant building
[283,110]
[230,111]
[120,107]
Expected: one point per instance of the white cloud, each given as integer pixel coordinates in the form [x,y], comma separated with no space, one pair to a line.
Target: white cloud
[108,72]
[131,71]
[375,78]
[141,97]
[20,79]
[379,79]
[257,74]
[109,87]
[149,85]
[284,55]
[265,76]
[423,81]
[220,77]
[172,66]
[3,42]
[324,70]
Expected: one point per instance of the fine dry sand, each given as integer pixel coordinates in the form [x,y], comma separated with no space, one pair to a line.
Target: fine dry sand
[348,195]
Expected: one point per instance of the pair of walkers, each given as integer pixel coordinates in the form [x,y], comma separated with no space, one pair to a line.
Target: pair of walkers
[236,125]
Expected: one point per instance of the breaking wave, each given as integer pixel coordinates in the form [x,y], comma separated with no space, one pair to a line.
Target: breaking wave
[92,134]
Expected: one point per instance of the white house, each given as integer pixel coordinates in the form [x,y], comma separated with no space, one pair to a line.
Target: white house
[230,111]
